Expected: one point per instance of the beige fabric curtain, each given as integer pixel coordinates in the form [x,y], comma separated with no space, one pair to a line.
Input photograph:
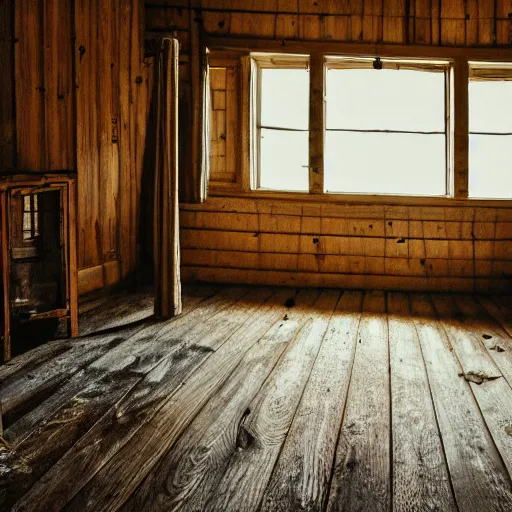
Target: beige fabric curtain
[205,130]
[166,221]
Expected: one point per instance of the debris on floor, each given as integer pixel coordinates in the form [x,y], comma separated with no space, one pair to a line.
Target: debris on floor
[498,347]
[478,377]
[289,303]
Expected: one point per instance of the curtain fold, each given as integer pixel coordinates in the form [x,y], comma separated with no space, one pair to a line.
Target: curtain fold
[166,206]
[205,129]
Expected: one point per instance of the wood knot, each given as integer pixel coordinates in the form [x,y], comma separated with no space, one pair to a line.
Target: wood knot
[289,303]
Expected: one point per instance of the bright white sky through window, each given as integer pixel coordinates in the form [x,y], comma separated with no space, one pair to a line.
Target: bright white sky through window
[490,139]
[362,104]
[284,129]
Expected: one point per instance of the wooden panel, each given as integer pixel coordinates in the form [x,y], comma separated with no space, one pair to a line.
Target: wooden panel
[58,84]
[225,125]
[427,244]
[89,230]
[114,86]
[349,281]
[29,80]
[7,126]
[75,65]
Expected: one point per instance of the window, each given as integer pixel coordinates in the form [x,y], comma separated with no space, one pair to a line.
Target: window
[30,217]
[282,123]
[490,130]
[353,127]
[386,128]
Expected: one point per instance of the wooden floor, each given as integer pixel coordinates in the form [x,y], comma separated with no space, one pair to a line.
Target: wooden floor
[269,400]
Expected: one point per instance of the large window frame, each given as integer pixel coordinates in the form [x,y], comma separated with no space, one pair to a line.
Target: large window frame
[427,65]
[456,112]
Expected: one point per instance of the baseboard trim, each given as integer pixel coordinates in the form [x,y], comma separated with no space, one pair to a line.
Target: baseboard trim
[100,276]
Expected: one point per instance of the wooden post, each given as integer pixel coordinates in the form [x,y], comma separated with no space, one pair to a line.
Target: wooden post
[72,270]
[248,117]
[6,310]
[461,128]
[166,224]
[316,124]
[197,69]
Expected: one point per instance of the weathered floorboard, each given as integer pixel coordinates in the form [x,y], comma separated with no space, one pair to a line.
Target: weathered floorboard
[184,478]
[271,400]
[420,474]
[492,392]
[478,475]
[498,312]
[300,480]
[109,488]
[133,343]
[361,476]
[265,427]
[142,401]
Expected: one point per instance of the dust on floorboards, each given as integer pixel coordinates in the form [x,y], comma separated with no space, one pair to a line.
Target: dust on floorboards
[266,399]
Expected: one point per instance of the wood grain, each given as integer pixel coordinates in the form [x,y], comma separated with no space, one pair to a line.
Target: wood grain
[278,392]
[477,472]
[360,479]
[420,474]
[184,480]
[302,474]
[174,413]
[265,427]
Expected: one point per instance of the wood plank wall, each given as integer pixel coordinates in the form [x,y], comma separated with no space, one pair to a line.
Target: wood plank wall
[460,247]
[74,95]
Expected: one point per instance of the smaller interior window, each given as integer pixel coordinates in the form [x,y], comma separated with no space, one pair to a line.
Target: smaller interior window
[282,124]
[490,130]
[30,217]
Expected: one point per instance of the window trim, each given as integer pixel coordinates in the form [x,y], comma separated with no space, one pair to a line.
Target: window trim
[458,81]
[262,61]
[484,71]
[444,66]
[318,64]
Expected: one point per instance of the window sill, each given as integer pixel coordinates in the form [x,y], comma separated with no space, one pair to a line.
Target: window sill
[369,199]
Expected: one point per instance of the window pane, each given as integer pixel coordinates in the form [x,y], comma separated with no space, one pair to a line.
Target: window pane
[385,163]
[284,158]
[490,166]
[490,107]
[285,98]
[385,99]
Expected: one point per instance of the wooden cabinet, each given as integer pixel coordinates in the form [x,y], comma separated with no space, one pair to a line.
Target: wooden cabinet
[38,259]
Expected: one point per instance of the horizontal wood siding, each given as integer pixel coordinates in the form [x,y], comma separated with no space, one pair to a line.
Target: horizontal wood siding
[416,248]
[454,23]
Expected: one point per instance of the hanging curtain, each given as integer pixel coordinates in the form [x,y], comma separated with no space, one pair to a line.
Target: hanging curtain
[201,111]
[166,222]
[205,129]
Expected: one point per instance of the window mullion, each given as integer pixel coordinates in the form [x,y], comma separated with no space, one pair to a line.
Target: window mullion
[461,127]
[316,124]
